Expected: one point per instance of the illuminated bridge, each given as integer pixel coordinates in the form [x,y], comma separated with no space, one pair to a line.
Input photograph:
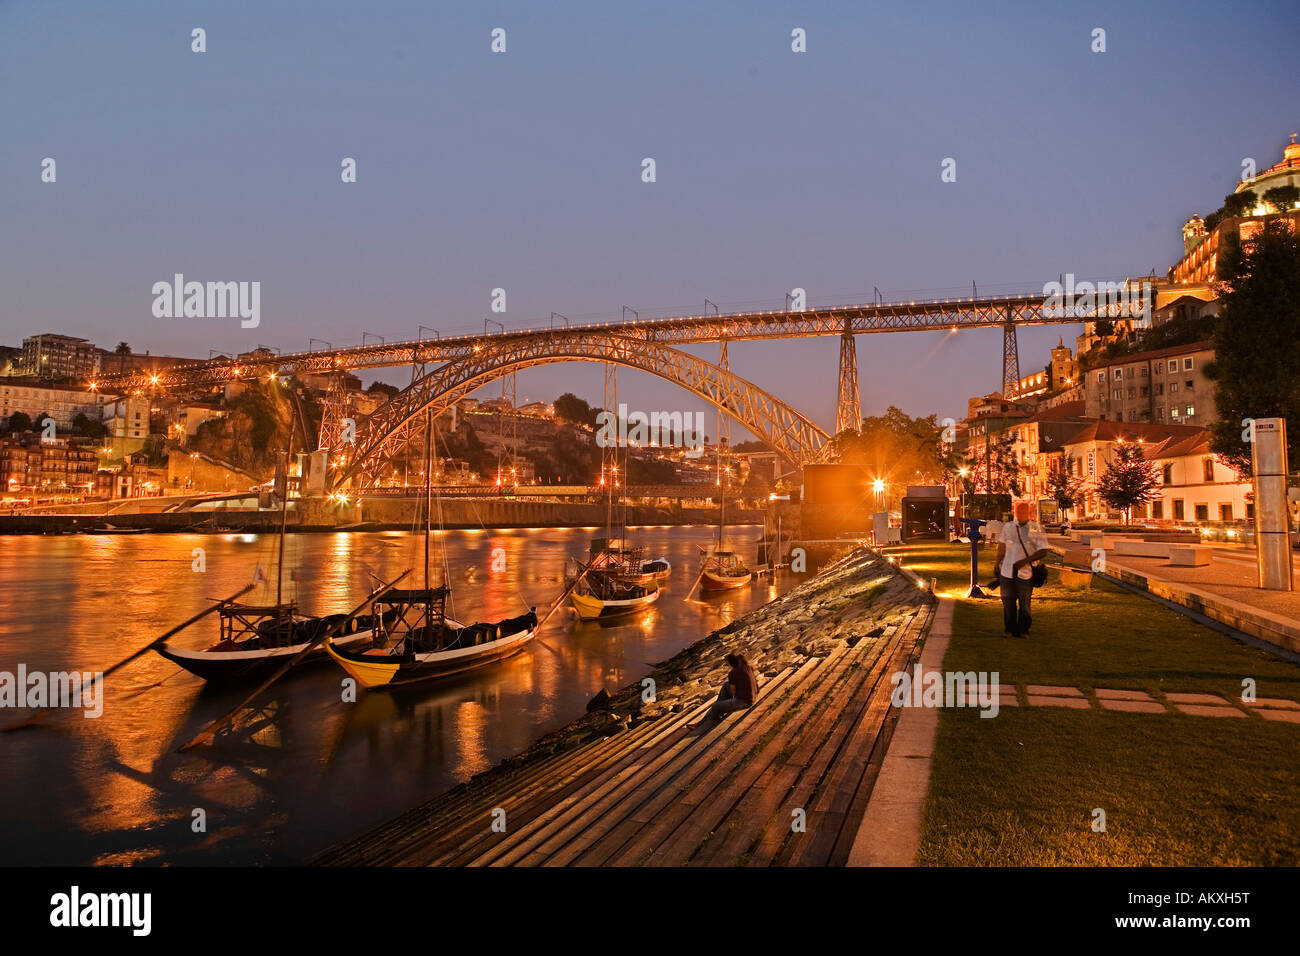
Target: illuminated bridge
[448,368]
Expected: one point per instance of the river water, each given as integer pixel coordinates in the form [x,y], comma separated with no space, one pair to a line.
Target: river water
[307,770]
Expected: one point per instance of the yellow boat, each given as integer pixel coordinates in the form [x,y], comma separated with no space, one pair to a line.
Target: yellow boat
[604,596]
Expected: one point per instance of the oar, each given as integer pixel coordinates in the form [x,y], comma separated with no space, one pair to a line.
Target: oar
[205,736]
[699,577]
[28,722]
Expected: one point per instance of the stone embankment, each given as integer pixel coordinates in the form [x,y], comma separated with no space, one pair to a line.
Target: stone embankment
[641,780]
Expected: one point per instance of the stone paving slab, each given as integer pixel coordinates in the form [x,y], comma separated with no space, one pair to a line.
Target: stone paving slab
[1288,716]
[1274,703]
[1183,698]
[1077,703]
[1044,690]
[1132,706]
[1104,693]
[1198,710]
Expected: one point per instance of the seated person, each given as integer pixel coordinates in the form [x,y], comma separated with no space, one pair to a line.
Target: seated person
[739,692]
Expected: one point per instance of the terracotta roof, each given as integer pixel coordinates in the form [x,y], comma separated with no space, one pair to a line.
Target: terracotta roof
[1112,431]
[1176,447]
[1061,413]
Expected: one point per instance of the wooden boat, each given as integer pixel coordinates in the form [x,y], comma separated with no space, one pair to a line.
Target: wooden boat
[724,571]
[255,641]
[602,594]
[630,565]
[415,641]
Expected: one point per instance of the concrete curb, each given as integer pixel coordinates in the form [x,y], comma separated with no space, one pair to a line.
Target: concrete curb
[890,834]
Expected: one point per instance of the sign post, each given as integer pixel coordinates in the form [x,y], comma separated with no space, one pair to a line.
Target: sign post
[1268,461]
[973,526]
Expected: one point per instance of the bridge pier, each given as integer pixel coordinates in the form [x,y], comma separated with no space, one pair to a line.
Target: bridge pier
[848,406]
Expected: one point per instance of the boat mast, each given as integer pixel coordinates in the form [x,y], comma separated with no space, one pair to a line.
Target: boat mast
[284,520]
[428,517]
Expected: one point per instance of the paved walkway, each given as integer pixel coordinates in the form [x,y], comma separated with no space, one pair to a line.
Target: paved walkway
[1140,702]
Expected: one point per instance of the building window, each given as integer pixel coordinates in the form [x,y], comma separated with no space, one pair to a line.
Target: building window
[1187,363]
[1160,414]
[1173,365]
[1188,384]
[1144,391]
[1225,512]
[1202,512]
[1132,392]
[1191,410]
[1178,509]
[1101,376]
[1157,509]
[1169,474]
[1173,387]
[1119,373]
[1159,389]
[1143,371]
[1250,510]
[1117,394]
[1159,368]
[1209,469]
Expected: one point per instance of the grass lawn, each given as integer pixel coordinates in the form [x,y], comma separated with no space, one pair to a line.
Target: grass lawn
[1021,788]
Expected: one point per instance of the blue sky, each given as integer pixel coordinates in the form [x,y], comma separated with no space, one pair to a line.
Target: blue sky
[522,170]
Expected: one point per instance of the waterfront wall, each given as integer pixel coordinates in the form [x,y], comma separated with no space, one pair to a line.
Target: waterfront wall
[318,514]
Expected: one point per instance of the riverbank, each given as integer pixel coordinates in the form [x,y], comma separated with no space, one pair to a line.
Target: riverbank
[456,514]
[635,781]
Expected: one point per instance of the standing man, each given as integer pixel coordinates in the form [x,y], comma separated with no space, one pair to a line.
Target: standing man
[1021,545]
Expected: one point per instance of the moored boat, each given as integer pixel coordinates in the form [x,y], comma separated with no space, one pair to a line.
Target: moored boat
[255,641]
[724,571]
[602,594]
[415,641]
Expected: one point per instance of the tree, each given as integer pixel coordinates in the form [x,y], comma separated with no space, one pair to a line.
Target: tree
[1129,479]
[996,472]
[1062,484]
[899,449]
[88,427]
[1239,204]
[20,422]
[571,408]
[1257,340]
[122,351]
[1282,198]
[382,388]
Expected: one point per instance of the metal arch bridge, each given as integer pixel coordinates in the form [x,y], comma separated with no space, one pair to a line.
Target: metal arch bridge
[470,361]
[383,435]
[937,314]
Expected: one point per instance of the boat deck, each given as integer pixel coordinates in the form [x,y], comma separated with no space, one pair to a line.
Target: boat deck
[664,794]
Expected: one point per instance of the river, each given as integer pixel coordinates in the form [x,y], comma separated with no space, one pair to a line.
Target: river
[308,769]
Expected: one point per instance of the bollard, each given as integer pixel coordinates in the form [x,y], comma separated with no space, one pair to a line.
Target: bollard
[973,526]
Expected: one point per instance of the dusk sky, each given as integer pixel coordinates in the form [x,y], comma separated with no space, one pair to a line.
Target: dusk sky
[522,170]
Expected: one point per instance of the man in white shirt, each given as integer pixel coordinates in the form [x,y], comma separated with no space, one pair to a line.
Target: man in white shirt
[1022,544]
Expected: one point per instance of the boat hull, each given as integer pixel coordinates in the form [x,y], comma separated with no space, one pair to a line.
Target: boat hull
[716,582]
[592,608]
[376,671]
[250,665]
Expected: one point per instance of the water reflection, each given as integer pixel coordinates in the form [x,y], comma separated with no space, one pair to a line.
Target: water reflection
[306,769]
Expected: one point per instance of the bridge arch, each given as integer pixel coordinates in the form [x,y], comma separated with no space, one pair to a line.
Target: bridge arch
[380,437]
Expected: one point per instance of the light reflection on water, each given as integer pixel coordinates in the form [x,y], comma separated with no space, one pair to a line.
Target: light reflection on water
[307,769]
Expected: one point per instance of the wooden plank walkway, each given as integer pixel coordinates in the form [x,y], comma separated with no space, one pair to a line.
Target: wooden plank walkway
[663,794]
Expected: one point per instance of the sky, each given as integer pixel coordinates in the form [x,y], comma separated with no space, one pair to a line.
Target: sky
[522,170]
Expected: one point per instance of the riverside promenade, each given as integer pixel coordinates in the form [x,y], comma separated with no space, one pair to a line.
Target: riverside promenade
[1226,590]
[636,782]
